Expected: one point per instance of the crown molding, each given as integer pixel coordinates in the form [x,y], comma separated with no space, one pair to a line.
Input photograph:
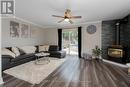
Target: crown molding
[21,19]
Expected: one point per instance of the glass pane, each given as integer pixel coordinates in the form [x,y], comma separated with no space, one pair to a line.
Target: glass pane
[70,41]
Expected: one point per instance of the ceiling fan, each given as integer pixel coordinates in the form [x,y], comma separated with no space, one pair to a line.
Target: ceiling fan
[67,17]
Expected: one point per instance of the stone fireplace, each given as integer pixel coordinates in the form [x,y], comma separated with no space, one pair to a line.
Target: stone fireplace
[117,52]
[116,40]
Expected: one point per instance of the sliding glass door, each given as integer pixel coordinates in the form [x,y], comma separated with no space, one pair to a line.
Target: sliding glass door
[70,41]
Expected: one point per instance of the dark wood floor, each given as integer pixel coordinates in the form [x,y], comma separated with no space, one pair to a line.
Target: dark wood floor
[79,73]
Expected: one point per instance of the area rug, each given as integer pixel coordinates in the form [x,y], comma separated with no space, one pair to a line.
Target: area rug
[33,73]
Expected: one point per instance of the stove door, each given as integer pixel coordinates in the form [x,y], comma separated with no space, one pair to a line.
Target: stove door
[116,53]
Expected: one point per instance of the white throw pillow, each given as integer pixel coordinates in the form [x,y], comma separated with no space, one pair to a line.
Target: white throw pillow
[15,50]
[7,52]
[43,48]
[28,49]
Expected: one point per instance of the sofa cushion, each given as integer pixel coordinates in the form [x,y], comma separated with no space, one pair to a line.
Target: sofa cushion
[28,49]
[43,48]
[8,52]
[57,54]
[15,50]
[21,51]
[53,48]
[21,57]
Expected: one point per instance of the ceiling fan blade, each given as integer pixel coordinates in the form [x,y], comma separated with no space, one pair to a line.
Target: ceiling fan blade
[71,21]
[76,17]
[57,16]
[60,20]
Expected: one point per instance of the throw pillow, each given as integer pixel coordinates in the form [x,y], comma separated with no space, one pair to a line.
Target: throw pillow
[43,48]
[15,50]
[28,49]
[7,52]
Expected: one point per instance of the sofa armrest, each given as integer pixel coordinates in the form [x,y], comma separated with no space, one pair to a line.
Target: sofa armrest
[6,60]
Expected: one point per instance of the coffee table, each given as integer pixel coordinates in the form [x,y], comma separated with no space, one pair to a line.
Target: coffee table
[42,58]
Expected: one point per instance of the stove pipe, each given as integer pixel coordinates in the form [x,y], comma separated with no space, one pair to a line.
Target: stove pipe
[117,33]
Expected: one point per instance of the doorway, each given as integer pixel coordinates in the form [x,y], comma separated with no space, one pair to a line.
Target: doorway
[70,41]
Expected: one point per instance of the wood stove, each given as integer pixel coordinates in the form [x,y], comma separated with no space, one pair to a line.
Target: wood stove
[117,52]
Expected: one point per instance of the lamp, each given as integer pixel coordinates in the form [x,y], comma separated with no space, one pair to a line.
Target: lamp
[66,19]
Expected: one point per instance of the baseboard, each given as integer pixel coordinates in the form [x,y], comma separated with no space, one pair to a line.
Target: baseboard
[118,64]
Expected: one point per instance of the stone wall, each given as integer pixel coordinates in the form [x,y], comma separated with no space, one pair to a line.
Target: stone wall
[125,36]
[108,35]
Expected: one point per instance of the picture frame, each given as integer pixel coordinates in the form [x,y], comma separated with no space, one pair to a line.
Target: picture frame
[25,30]
[14,29]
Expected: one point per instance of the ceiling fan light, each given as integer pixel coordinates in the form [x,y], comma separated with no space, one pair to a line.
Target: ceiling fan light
[67,20]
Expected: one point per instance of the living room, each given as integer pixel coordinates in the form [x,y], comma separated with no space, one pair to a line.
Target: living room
[73,44]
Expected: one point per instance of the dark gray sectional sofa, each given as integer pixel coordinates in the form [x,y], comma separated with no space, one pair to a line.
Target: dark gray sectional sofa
[8,61]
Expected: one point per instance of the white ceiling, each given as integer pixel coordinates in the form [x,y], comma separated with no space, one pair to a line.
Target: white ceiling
[40,11]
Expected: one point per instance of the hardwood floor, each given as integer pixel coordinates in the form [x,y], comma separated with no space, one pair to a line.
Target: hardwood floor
[77,72]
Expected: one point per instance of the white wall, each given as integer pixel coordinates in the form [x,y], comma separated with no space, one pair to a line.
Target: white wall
[1,80]
[90,40]
[37,38]
[51,36]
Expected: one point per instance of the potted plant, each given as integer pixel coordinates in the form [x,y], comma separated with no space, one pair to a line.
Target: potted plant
[96,52]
